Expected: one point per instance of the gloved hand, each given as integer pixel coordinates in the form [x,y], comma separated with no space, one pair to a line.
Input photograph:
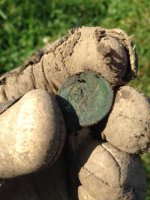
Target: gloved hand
[42,155]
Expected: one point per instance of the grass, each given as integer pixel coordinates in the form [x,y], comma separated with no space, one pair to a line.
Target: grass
[25,26]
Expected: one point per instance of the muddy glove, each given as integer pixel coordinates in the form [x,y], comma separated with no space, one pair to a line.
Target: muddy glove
[53,146]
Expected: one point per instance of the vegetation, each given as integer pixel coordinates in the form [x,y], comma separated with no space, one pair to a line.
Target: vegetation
[25,26]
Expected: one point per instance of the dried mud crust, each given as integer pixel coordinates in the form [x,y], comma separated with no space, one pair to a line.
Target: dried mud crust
[85,48]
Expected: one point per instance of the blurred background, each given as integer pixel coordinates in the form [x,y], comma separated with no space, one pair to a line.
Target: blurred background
[26,26]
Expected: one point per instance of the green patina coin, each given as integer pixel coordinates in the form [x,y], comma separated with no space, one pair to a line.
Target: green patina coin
[85,99]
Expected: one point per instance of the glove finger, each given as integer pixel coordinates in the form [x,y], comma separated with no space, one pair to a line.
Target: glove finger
[128,125]
[32,134]
[110,52]
[106,172]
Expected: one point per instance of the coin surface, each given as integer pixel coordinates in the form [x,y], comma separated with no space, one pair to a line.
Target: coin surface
[85,99]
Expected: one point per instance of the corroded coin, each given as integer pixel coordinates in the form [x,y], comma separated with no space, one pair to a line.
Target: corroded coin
[85,99]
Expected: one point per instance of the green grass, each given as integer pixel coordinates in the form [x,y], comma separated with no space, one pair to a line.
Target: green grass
[26,25]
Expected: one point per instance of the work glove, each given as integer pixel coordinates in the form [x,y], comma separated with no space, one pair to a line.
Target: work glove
[70,127]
